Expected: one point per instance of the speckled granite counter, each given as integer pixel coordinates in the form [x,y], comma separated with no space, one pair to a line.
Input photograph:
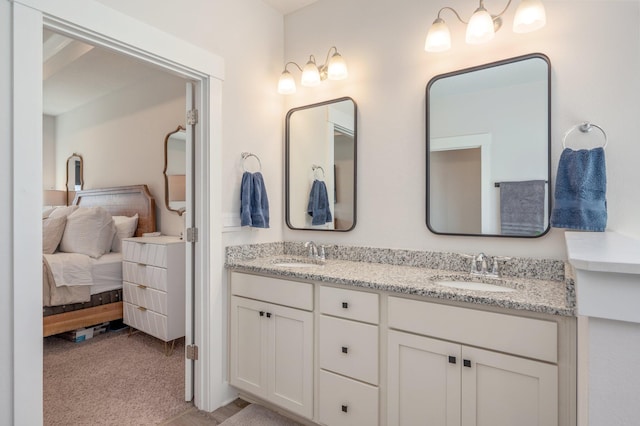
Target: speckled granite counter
[539,285]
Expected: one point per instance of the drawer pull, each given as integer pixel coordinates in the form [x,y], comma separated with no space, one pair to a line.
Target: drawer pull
[452,359]
[141,264]
[142,308]
[143,287]
[466,362]
[345,305]
[345,408]
[345,350]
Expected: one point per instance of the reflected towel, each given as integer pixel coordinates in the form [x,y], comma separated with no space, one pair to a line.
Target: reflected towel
[254,203]
[522,207]
[318,206]
[581,189]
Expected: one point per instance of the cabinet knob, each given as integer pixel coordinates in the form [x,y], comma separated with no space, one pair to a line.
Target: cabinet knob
[345,305]
[452,359]
[345,349]
[261,313]
[142,308]
[345,408]
[143,287]
[268,314]
[466,362]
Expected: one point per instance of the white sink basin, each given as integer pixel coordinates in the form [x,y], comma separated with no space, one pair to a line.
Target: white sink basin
[295,264]
[471,285]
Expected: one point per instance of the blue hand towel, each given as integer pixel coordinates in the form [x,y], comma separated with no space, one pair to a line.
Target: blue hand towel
[522,207]
[318,206]
[254,203]
[580,193]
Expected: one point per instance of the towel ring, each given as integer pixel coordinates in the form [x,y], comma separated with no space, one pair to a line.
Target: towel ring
[315,168]
[246,155]
[584,127]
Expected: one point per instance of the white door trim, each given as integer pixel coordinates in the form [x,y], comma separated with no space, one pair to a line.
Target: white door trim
[92,21]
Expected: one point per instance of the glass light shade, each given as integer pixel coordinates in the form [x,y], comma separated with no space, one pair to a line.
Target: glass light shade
[286,84]
[310,75]
[530,16]
[480,28]
[438,37]
[337,68]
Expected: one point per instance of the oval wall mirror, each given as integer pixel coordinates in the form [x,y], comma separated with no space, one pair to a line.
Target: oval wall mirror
[320,182]
[175,164]
[75,179]
[488,149]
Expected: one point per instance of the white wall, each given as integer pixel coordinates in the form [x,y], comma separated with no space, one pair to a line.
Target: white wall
[594,77]
[121,139]
[6,220]
[49,180]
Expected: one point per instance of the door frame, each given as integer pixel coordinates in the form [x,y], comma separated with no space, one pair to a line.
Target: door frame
[97,24]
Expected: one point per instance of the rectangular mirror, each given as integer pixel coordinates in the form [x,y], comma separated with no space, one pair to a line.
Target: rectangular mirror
[320,182]
[488,149]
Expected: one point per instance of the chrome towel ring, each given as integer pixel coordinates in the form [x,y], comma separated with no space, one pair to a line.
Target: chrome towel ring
[246,155]
[584,127]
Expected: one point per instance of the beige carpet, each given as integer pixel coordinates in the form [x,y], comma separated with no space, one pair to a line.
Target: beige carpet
[256,415]
[112,379]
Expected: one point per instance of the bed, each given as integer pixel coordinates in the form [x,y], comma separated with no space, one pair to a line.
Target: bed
[103,305]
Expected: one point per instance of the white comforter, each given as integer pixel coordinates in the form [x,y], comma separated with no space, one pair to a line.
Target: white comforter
[70,269]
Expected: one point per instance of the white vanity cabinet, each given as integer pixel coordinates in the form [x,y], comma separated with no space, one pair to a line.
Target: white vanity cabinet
[348,357]
[153,270]
[450,382]
[271,340]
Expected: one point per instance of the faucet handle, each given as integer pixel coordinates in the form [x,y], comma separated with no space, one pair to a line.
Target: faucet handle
[494,266]
[321,252]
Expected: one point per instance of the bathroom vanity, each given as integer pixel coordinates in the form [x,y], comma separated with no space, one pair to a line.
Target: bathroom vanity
[376,342]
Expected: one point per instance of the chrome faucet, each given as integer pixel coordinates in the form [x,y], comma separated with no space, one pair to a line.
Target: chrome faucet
[316,252]
[480,265]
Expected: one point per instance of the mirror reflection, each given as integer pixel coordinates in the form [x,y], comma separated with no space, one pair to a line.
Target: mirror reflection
[75,179]
[488,149]
[175,164]
[321,166]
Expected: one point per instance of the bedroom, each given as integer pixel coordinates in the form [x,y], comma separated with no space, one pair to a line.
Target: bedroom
[115,114]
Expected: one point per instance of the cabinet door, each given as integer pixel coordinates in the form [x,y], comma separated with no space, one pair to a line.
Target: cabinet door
[290,359]
[248,340]
[503,390]
[423,381]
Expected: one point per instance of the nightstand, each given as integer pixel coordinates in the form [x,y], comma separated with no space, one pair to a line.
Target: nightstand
[153,270]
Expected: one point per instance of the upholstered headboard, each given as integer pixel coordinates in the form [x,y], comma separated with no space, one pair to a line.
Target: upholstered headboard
[123,201]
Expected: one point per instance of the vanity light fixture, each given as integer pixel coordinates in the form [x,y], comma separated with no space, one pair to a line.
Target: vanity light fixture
[334,68]
[481,28]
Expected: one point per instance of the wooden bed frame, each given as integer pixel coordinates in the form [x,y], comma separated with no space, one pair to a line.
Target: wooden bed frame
[118,201]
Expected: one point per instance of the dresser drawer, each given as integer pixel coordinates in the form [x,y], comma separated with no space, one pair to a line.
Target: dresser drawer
[527,337]
[146,297]
[149,276]
[345,402]
[282,292]
[349,348]
[146,253]
[153,323]
[350,304]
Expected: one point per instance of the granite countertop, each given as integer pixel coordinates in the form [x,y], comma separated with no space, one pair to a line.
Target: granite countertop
[549,296]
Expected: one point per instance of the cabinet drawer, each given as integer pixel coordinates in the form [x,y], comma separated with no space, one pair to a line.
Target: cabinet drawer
[149,254]
[346,402]
[349,348]
[527,337]
[150,276]
[139,295]
[350,304]
[282,292]
[153,323]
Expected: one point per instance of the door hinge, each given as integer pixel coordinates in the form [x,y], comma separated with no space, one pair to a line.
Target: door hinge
[192,235]
[192,352]
[192,117]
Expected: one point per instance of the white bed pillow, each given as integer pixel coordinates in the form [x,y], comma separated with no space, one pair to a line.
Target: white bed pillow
[89,231]
[47,212]
[125,228]
[52,230]
[63,211]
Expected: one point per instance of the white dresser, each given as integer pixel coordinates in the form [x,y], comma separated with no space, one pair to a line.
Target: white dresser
[153,272]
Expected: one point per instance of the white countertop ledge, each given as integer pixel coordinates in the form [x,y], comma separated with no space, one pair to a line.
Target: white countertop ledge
[603,252]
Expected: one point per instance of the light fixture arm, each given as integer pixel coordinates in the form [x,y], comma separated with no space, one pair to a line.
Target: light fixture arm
[291,62]
[496,18]
[454,12]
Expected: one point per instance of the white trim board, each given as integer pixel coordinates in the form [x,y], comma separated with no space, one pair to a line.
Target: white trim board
[91,21]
